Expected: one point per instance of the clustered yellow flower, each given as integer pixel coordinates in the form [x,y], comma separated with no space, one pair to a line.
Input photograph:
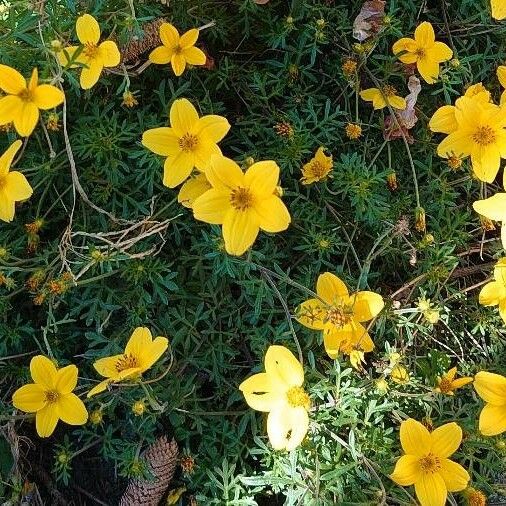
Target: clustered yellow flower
[318,168]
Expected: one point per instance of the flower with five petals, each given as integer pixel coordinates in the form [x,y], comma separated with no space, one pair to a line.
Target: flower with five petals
[447,383]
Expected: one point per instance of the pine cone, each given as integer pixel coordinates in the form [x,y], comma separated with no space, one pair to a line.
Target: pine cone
[136,47]
[162,459]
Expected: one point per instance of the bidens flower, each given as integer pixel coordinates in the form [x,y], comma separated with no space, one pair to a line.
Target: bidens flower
[244,203]
[494,208]
[318,168]
[141,352]
[340,315]
[494,293]
[424,51]
[92,55]
[384,97]
[492,389]
[178,50]
[278,391]
[50,396]
[13,185]
[426,464]
[189,142]
[24,99]
[447,383]
[498,9]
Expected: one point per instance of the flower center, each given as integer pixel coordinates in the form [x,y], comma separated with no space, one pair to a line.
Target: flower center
[126,362]
[389,91]
[52,396]
[484,135]
[420,53]
[188,142]
[90,50]
[338,316]
[25,95]
[430,463]
[298,398]
[317,169]
[178,49]
[445,385]
[241,199]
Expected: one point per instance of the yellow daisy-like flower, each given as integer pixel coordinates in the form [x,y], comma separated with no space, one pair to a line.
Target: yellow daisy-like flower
[189,142]
[498,9]
[424,51]
[192,189]
[141,352]
[177,50]
[50,396]
[13,185]
[340,315]
[278,391]
[447,383]
[24,99]
[494,293]
[400,375]
[480,134]
[318,168]
[494,208]
[383,97]
[92,55]
[244,203]
[492,389]
[426,464]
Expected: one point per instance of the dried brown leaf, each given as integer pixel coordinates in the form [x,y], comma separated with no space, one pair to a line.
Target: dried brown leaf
[369,20]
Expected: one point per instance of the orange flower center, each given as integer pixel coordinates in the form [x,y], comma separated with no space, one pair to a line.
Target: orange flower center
[484,135]
[241,199]
[178,49]
[90,50]
[52,396]
[445,385]
[317,169]
[430,463]
[298,398]
[188,142]
[389,91]
[25,95]
[338,316]
[420,53]
[126,361]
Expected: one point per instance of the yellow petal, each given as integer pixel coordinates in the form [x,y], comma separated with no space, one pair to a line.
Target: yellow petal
[370,94]
[224,174]
[366,305]
[486,161]
[333,339]
[360,338]
[396,102]
[107,366]
[415,438]
[46,420]
[330,288]
[262,392]
[25,119]
[498,9]
[454,475]
[272,214]
[192,189]
[431,490]
[29,398]
[46,96]
[153,352]
[161,55]
[460,382]
[71,410]
[493,208]
[183,116]
[492,293]
[503,227]
[443,120]
[101,387]
[11,81]
[491,387]
[67,55]
[240,229]
[177,169]
[262,178]
[66,379]
[178,63]
[139,341]
[281,364]
[43,372]
[492,420]
[204,151]
[457,143]
[439,52]
[169,35]
[407,470]
[7,207]
[162,141]
[90,76]
[212,127]
[424,34]
[500,271]
[446,439]
[189,38]
[10,106]
[405,45]
[212,206]
[501,75]
[109,54]
[17,187]
[88,31]
[311,313]
[194,56]
[8,156]
[287,427]
[429,70]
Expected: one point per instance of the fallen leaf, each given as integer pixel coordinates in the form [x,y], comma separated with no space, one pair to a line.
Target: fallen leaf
[369,20]
[261,2]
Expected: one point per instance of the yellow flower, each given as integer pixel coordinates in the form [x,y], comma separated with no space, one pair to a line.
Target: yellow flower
[399,374]
[189,142]
[50,396]
[492,389]
[192,189]
[178,50]
[474,497]
[318,168]
[129,99]
[498,9]
[340,315]
[383,97]
[244,203]
[494,293]
[353,131]
[24,98]
[426,465]
[494,208]
[278,391]
[92,55]
[424,51]
[141,352]
[480,134]
[138,408]
[447,383]
[13,185]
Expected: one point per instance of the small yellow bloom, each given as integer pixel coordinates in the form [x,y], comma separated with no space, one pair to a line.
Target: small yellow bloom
[392,181]
[454,162]
[90,54]
[141,352]
[426,465]
[50,396]
[399,374]
[432,316]
[494,208]
[96,417]
[420,223]
[492,389]
[278,391]
[424,51]
[340,315]
[24,98]
[189,142]
[53,122]
[447,383]
[384,97]
[318,168]
[474,497]
[138,408]
[129,99]
[192,189]
[177,50]
[498,9]
[13,185]
[353,131]
[349,67]
[381,385]
[242,202]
